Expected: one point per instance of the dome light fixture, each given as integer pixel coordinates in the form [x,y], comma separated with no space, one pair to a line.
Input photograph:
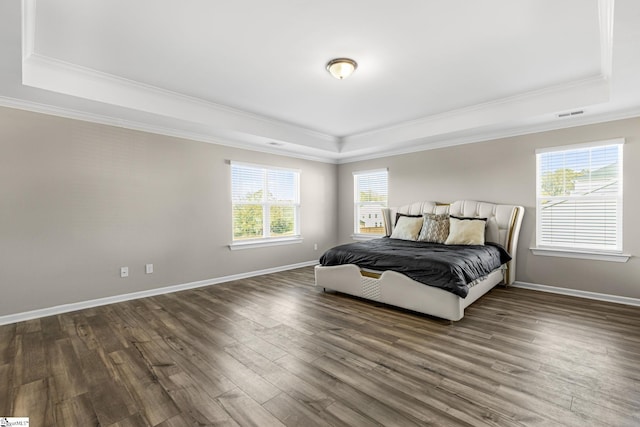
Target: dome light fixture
[341,68]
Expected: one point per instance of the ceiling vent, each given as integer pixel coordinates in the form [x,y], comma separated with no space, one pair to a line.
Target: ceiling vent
[571,113]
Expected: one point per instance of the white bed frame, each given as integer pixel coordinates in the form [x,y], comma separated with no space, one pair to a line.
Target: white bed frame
[390,287]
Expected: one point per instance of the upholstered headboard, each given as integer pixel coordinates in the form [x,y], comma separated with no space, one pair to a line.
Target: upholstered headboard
[503,222]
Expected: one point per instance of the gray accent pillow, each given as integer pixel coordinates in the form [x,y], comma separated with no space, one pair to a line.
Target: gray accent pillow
[435,228]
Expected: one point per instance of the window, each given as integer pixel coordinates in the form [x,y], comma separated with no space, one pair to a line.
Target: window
[370,196]
[579,197]
[266,203]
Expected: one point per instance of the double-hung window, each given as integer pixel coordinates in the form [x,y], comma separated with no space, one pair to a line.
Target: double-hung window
[579,199]
[370,196]
[266,204]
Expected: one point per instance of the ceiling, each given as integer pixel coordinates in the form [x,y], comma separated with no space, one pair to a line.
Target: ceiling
[252,74]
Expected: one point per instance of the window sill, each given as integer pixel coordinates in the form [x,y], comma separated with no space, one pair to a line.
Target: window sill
[366,236]
[568,253]
[263,243]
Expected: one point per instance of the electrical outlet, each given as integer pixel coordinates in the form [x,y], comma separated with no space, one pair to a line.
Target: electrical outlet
[124,271]
[148,268]
[315,246]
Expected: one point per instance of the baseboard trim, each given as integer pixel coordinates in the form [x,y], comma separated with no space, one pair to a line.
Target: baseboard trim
[66,308]
[578,293]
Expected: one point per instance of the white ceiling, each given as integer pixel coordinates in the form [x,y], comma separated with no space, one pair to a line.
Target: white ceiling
[252,73]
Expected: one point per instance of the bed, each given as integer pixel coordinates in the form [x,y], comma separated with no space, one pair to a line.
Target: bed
[502,228]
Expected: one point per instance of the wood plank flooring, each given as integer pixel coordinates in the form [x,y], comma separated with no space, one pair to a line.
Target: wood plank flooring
[275,351]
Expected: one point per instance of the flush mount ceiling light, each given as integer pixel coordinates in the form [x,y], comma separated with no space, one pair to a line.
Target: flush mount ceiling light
[341,68]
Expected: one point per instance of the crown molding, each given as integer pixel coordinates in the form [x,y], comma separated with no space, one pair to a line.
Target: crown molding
[58,76]
[35,107]
[333,149]
[445,142]
[500,102]
[575,94]
[331,159]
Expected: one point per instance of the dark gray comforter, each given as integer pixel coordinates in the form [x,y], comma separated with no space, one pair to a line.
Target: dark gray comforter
[450,267]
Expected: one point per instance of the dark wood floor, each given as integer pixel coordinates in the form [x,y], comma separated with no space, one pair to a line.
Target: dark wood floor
[273,350]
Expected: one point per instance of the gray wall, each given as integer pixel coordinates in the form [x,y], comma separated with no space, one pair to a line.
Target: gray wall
[503,171]
[79,200]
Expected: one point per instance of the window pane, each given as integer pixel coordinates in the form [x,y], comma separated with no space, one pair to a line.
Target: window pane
[370,194]
[282,220]
[247,222]
[372,187]
[370,219]
[265,202]
[582,171]
[282,186]
[579,198]
[581,223]
[247,184]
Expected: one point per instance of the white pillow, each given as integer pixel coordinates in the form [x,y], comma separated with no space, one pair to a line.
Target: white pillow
[407,228]
[466,231]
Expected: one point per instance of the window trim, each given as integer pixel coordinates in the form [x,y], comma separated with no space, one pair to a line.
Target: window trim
[260,242]
[574,253]
[356,234]
[616,255]
[263,243]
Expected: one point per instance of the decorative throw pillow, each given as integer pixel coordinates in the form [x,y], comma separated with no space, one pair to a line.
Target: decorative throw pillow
[435,228]
[466,231]
[407,228]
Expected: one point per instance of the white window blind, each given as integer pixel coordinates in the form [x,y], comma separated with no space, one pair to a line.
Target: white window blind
[370,196]
[579,197]
[265,201]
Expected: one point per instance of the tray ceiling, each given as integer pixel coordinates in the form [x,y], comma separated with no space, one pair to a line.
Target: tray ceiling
[251,73]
